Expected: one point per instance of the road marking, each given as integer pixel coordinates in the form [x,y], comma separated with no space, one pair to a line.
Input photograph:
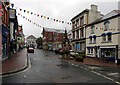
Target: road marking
[99,73]
[29,66]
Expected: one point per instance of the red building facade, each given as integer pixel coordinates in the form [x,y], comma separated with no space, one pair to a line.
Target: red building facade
[52,38]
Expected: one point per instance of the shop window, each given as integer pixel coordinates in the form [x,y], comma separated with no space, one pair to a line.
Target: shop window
[104,37]
[109,37]
[90,50]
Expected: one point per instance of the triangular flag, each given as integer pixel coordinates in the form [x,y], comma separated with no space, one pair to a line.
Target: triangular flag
[59,21]
[24,10]
[44,16]
[27,11]
[47,17]
[38,15]
[20,9]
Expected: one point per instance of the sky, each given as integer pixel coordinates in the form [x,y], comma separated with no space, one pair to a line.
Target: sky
[63,10]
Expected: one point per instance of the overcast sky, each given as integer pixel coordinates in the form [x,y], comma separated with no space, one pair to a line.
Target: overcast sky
[57,9]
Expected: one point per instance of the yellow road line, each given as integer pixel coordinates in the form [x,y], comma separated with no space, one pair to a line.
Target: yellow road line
[29,66]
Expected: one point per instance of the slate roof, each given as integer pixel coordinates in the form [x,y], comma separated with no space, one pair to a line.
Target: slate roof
[54,30]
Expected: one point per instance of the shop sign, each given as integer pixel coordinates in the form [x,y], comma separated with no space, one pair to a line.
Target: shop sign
[108,47]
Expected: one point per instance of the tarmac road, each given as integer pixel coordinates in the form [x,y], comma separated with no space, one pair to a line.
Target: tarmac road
[47,68]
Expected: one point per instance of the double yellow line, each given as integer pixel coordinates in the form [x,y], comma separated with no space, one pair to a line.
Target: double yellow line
[29,66]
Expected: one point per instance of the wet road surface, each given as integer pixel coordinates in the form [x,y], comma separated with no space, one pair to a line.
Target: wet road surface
[47,68]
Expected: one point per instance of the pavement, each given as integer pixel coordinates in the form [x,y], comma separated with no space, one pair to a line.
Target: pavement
[95,62]
[17,62]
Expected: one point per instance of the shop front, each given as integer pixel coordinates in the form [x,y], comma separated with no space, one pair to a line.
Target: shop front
[4,42]
[109,52]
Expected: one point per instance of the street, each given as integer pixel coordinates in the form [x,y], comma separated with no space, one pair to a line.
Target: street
[46,67]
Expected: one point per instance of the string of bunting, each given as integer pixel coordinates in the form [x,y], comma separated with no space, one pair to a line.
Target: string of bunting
[30,20]
[97,28]
[44,17]
[81,26]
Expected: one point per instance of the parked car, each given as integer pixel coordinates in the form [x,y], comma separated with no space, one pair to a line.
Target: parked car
[61,51]
[50,49]
[30,50]
[58,50]
[53,50]
[72,53]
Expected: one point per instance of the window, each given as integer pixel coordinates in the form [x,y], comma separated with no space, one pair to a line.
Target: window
[82,46]
[77,34]
[77,22]
[50,36]
[92,29]
[106,25]
[82,21]
[104,37]
[73,34]
[109,37]
[90,39]
[90,50]
[82,33]
[94,39]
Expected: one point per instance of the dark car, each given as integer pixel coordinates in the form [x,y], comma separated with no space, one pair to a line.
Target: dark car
[58,50]
[30,50]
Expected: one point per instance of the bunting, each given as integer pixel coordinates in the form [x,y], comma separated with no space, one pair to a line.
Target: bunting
[45,17]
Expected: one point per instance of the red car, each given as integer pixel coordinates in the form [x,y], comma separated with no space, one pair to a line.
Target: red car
[30,50]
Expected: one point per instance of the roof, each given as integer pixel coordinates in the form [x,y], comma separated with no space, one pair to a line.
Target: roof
[86,10]
[54,30]
[31,36]
[112,14]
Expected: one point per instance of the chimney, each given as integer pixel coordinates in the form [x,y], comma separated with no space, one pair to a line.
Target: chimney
[94,7]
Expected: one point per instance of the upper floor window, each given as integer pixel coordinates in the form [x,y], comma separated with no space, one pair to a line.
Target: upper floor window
[77,34]
[90,39]
[94,39]
[73,34]
[106,25]
[77,23]
[50,36]
[92,29]
[82,21]
[104,37]
[82,33]
[109,37]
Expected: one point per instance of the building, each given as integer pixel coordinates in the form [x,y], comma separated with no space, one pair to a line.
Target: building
[78,30]
[52,38]
[69,35]
[103,37]
[5,30]
[13,30]
[1,13]
[20,38]
[31,41]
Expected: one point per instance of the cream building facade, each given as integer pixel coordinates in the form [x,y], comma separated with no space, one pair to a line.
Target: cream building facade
[103,37]
[78,30]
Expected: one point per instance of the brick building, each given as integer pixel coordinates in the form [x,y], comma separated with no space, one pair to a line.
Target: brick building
[52,38]
[5,30]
